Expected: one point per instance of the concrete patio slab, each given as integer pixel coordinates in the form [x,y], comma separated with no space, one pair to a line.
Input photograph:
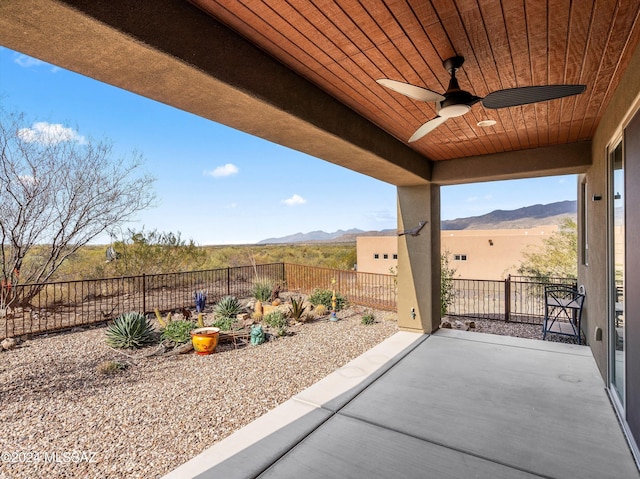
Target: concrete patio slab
[530,408]
[450,405]
[252,449]
[369,451]
[337,389]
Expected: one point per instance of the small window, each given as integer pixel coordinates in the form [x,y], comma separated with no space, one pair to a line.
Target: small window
[460,257]
[376,256]
[386,256]
[395,256]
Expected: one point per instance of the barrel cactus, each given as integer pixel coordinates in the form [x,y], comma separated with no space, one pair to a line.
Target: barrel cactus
[130,330]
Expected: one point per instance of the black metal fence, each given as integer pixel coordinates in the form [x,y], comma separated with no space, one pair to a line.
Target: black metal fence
[516,298]
[63,305]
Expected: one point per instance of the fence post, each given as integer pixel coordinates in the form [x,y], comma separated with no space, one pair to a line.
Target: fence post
[507,298]
[228,281]
[144,293]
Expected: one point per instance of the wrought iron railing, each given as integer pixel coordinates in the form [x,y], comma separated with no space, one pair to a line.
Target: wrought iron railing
[64,305]
[516,298]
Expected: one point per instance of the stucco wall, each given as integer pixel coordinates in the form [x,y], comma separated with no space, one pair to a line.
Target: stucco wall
[490,254]
[593,275]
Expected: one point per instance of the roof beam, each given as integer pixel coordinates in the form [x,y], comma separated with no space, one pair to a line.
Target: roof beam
[170,51]
[572,158]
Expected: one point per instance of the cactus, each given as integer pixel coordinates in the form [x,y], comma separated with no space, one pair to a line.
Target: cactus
[200,298]
[163,322]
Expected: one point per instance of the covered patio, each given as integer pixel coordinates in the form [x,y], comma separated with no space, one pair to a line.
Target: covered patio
[488,407]
[304,74]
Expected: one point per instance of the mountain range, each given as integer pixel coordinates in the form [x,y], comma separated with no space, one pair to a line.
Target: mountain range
[526,217]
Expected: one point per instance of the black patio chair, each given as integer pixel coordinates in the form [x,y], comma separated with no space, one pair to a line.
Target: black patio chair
[563,311]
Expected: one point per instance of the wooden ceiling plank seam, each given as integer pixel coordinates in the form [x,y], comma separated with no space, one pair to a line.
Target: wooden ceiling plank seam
[416,33]
[462,75]
[601,29]
[522,140]
[493,83]
[517,114]
[536,21]
[357,85]
[613,80]
[331,87]
[392,100]
[580,20]
[578,112]
[336,33]
[471,68]
[393,49]
[596,96]
[282,21]
[329,35]
[558,31]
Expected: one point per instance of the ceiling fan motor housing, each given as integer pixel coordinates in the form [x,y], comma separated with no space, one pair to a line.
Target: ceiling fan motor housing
[456,103]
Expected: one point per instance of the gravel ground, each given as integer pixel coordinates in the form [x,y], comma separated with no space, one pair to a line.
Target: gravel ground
[62,418]
[161,411]
[518,330]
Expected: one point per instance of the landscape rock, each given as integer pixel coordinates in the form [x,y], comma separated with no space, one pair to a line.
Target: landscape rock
[9,343]
[460,325]
[445,324]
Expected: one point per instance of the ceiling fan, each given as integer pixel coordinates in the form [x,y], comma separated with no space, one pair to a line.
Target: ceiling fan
[456,102]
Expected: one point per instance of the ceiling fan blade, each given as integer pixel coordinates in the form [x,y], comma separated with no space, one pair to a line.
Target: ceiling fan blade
[427,128]
[529,94]
[412,91]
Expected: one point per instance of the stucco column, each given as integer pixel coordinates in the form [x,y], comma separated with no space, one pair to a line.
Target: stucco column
[419,259]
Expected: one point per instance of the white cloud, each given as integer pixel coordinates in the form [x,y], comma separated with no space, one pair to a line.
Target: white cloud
[224,170]
[382,216]
[294,200]
[49,134]
[26,61]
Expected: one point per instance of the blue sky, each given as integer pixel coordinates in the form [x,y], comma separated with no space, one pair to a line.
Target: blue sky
[217,185]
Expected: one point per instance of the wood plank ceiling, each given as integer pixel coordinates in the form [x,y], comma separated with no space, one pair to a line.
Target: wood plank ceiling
[343,46]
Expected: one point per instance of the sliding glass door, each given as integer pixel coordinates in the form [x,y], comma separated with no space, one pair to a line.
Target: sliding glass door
[617,274]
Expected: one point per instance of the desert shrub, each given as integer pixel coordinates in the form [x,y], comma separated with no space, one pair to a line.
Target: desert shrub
[278,321]
[227,307]
[368,318]
[130,330]
[224,323]
[262,288]
[178,332]
[323,297]
[111,367]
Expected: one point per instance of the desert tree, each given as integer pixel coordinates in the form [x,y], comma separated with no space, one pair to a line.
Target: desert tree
[58,191]
[556,257]
[154,252]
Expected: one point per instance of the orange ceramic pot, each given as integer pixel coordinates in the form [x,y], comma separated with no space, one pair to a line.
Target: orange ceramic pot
[205,340]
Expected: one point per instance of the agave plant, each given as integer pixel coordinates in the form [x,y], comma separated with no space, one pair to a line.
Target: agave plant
[130,330]
[227,307]
[297,308]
